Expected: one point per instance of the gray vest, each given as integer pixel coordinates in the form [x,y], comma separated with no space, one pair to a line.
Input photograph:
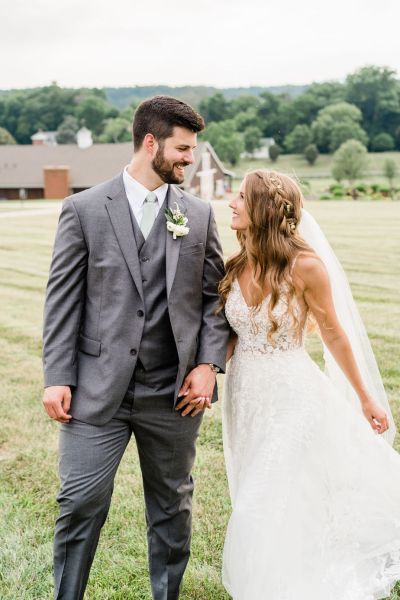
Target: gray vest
[157,352]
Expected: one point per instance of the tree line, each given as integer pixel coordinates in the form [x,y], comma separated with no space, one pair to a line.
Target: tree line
[365,107]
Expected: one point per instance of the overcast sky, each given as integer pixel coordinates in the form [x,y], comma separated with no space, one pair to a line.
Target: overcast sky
[204,42]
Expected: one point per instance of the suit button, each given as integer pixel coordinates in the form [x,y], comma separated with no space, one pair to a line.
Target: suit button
[140,313]
[133,351]
[144,259]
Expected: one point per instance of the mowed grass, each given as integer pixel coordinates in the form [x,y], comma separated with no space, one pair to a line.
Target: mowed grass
[317,178]
[366,238]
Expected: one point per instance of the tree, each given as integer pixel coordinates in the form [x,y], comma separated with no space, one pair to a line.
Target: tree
[94,110]
[215,108]
[317,96]
[66,133]
[230,148]
[311,153]
[382,142]
[227,142]
[116,130]
[129,112]
[5,137]
[23,112]
[274,115]
[376,92]
[390,171]
[298,139]
[245,119]
[346,130]
[243,103]
[349,161]
[274,152]
[252,139]
[336,124]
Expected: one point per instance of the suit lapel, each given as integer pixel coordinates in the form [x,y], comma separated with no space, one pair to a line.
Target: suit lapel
[118,209]
[173,246]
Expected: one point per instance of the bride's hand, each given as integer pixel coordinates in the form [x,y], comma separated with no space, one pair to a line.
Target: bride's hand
[375,414]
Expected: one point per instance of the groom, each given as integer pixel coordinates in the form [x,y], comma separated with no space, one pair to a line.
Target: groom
[132,345]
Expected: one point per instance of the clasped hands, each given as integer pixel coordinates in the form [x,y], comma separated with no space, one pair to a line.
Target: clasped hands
[196,392]
[195,395]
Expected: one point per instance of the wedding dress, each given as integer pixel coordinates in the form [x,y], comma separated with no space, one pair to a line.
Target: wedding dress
[315,491]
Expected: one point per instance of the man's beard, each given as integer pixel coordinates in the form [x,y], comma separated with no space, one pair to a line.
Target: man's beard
[165,168]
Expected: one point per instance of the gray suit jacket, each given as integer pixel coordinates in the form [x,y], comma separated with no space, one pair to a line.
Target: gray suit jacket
[92,323]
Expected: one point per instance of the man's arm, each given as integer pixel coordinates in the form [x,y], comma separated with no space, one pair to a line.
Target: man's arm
[214,331]
[64,303]
[198,387]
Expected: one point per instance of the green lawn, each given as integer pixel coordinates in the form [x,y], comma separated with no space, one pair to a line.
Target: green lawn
[318,176]
[366,237]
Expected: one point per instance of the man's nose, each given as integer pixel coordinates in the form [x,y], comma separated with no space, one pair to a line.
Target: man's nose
[189,157]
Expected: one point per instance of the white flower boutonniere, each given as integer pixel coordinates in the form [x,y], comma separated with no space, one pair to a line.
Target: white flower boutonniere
[176,222]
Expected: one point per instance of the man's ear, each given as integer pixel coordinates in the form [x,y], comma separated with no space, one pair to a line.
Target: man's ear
[150,144]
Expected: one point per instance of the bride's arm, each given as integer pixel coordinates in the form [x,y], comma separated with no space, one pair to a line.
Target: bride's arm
[311,278]
[230,349]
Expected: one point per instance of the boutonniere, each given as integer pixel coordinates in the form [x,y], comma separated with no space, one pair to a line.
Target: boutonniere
[176,222]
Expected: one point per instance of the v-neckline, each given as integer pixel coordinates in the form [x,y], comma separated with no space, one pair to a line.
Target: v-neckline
[251,306]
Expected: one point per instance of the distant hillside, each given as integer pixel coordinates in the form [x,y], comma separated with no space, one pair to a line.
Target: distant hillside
[122,97]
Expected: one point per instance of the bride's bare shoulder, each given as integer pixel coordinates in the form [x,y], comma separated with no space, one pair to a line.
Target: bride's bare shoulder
[308,269]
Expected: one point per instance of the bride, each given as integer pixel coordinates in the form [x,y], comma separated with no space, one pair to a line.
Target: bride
[314,484]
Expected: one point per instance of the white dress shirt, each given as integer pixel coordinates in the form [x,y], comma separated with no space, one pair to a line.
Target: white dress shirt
[136,193]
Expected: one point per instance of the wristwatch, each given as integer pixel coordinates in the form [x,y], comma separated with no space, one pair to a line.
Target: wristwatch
[214,368]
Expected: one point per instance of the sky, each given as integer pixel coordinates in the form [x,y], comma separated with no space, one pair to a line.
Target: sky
[223,43]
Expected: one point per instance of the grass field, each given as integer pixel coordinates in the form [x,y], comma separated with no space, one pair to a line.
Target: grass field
[318,177]
[366,237]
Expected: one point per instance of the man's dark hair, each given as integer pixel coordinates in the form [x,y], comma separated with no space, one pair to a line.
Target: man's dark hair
[160,115]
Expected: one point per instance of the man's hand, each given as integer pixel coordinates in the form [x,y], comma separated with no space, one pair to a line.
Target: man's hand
[57,402]
[197,390]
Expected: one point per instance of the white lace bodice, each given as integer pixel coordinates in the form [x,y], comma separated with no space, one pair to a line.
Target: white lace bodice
[252,327]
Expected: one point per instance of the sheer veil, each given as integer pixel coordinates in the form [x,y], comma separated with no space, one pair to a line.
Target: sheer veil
[350,319]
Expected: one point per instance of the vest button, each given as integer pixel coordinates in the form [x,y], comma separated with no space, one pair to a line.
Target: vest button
[133,351]
[140,313]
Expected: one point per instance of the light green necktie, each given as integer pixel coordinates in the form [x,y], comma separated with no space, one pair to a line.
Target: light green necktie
[149,213]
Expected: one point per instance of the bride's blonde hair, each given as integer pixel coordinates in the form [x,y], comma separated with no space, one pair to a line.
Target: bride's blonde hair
[271,243]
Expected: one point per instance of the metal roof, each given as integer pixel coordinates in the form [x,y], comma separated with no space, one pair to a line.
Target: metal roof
[22,165]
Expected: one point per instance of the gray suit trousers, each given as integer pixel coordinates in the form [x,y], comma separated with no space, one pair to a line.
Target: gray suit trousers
[89,458]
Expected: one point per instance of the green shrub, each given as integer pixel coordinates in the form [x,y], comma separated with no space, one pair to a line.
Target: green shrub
[336,188]
[375,187]
[311,153]
[325,197]
[382,142]
[338,193]
[384,190]
[274,152]
[362,187]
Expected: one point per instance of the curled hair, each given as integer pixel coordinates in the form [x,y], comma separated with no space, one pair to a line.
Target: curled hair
[270,244]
